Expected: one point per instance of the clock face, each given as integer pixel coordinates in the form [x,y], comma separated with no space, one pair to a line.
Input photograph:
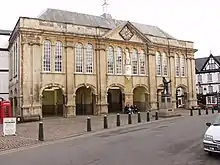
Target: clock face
[126,33]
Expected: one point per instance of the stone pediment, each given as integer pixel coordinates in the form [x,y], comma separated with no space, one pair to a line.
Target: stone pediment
[126,32]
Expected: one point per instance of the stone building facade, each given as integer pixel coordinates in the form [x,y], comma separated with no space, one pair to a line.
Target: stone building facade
[70,64]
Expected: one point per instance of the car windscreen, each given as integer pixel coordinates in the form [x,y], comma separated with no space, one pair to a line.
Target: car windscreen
[216,121]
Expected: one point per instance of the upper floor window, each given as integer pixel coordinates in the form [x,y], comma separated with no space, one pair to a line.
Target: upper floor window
[165,70]
[110,60]
[118,61]
[177,65]
[200,90]
[89,58]
[209,77]
[47,56]
[199,78]
[218,77]
[182,66]
[134,61]
[79,58]
[210,89]
[58,57]
[211,64]
[142,65]
[158,63]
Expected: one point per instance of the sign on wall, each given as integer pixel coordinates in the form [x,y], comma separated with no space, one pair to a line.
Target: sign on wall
[9,126]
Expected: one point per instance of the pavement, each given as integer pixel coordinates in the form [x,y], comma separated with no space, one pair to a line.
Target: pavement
[59,128]
[176,141]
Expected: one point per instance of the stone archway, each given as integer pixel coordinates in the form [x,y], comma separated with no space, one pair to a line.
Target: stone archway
[115,100]
[52,101]
[85,100]
[181,97]
[140,98]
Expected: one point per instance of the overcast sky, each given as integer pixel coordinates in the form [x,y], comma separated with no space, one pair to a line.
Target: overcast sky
[193,20]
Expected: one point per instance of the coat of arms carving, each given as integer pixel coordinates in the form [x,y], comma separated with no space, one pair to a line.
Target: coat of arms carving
[126,33]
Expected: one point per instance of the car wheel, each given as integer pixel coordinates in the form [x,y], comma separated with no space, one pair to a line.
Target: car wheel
[210,153]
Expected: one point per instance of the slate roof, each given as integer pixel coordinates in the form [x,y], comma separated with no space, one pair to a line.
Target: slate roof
[201,61]
[98,21]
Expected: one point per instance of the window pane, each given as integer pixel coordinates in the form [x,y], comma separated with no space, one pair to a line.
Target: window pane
[110,58]
[47,56]
[142,66]
[134,60]
[58,57]
[119,61]
[89,59]
[79,58]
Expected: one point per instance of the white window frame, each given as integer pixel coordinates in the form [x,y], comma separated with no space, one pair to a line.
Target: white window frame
[158,64]
[134,61]
[89,59]
[142,63]
[79,63]
[110,60]
[118,61]
[58,56]
[47,56]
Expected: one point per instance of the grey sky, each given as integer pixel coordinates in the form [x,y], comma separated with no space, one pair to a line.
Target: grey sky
[194,20]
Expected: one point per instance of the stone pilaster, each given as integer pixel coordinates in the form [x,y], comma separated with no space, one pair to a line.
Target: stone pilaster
[189,81]
[70,69]
[193,79]
[172,70]
[152,78]
[101,70]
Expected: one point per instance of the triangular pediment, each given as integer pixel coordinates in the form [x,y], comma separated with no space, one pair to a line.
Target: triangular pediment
[211,64]
[126,32]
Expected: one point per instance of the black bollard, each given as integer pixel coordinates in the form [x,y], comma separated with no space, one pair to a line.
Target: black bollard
[191,112]
[206,111]
[148,116]
[129,118]
[199,111]
[139,117]
[118,122]
[156,115]
[213,110]
[105,122]
[41,132]
[89,128]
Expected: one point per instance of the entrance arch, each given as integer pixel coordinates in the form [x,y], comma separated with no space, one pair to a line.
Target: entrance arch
[52,101]
[85,100]
[140,98]
[181,97]
[115,99]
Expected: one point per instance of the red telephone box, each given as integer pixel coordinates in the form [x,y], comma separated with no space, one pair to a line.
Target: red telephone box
[5,110]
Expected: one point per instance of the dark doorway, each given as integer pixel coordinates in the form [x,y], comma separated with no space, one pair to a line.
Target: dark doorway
[115,99]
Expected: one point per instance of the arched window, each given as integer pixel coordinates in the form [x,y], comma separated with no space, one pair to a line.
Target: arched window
[164,63]
[177,64]
[142,63]
[58,56]
[89,58]
[134,61]
[118,61]
[183,66]
[47,56]
[158,63]
[79,58]
[110,59]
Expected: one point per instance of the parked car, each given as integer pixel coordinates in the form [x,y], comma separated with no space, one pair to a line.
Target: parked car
[211,140]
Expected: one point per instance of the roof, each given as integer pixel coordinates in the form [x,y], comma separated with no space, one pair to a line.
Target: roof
[5,32]
[97,21]
[201,61]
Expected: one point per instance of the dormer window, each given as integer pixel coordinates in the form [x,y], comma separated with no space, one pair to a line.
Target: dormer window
[211,64]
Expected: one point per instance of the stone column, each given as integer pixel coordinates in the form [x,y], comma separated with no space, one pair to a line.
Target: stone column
[193,79]
[152,78]
[189,81]
[70,69]
[128,98]
[101,71]
[172,69]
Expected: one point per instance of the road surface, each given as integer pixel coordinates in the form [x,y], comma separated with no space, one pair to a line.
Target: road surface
[171,142]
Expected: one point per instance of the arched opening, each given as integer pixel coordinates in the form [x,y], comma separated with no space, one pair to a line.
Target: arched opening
[140,98]
[115,100]
[181,97]
[52,102]
[85,101]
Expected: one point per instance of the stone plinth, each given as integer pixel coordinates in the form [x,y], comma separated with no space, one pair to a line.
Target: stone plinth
[166,109]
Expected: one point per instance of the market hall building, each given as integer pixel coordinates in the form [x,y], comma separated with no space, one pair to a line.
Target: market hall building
[65,63]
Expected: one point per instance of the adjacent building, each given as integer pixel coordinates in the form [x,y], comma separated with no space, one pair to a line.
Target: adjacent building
[4,64]
[66,63]
[208,79]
